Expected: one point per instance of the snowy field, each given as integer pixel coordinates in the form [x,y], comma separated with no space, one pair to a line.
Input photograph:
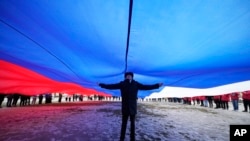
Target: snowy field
[101,121]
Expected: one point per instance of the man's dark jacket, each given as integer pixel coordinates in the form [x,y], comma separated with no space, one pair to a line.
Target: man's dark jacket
[129,92]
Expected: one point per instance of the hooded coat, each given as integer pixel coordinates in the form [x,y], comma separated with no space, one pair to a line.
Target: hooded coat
[129,90]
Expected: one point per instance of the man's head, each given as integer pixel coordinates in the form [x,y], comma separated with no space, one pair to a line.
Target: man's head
[129,75]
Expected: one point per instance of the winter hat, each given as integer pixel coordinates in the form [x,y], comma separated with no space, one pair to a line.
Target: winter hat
[129,73]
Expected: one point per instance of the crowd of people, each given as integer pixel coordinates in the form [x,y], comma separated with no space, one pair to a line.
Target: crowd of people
[220,101]
[217,101]
[12,100]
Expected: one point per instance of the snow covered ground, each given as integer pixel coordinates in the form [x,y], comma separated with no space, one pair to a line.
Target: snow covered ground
[101,121]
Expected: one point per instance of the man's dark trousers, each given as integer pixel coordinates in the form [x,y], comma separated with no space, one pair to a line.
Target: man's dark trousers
[124,126]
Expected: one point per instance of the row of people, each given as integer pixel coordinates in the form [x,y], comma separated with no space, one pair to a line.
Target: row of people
[12,99]
[221,101]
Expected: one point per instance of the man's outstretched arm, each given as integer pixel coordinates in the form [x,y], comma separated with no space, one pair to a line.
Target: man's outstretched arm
[110,86]
[149,87]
